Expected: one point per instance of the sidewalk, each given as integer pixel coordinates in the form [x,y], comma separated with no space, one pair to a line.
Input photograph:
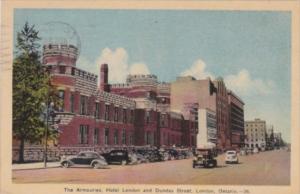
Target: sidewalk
[35,165]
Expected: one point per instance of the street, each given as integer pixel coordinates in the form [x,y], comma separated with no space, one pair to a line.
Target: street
[265,168]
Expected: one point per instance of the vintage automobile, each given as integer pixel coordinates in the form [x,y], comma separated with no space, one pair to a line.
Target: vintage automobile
[90,158]
[243,152]
[255,150]
[174,155]
[204,157]
[155,156]
[231,157]
[117,157]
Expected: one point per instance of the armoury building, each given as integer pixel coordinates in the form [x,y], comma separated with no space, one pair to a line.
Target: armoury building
[142,111]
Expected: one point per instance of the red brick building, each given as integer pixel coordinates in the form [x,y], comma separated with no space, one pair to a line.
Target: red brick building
[222,113]
[134,113]
[236,120]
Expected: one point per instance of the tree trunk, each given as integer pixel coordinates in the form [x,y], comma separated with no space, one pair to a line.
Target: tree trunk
[21,150]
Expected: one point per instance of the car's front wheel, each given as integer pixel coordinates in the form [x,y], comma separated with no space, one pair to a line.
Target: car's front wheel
[95,165]
[65,164]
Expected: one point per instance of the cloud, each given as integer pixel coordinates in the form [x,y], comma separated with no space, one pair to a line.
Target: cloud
[117,61]
[244,84]
[198,70]
[118,65]
[139,68]
[85,64]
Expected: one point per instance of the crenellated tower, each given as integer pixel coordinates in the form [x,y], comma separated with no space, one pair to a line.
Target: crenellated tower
[60,60]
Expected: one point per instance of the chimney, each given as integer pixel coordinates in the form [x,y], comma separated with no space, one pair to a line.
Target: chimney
[104,86]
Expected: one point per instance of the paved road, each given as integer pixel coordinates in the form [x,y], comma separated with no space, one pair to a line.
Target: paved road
[265,168]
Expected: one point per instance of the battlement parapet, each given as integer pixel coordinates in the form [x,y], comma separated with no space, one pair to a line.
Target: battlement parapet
[50,50]
[85,75]
[120,86]
[116,99]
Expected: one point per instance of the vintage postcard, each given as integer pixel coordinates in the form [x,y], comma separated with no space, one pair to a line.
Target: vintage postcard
[156,96]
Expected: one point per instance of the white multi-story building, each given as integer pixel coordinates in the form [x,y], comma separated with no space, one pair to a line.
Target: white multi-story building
[207,128]
[255,132]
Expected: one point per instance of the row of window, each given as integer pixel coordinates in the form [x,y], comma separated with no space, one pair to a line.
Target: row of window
[251,140]
[171,139]
[83,109]
[84,136]
[255,125]
[251,129]
[62,70]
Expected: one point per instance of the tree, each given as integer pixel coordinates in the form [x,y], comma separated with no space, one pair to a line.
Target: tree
[31,89]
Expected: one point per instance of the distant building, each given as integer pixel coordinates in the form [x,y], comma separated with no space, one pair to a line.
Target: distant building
[255,132]
[163,97]
[278,141]
[188,90]
[189,95]
[270,140]
[236,120]
[207,132]
[224,134]
[213,96]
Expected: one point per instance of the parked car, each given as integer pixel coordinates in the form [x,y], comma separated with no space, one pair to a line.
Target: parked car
[141,158]
[184,154]
[249,151]
[155,156]
[92,159]
[173,154]
[243,152]
[205,158]
[231,157]
[134,158]
[255,150]
[117,156]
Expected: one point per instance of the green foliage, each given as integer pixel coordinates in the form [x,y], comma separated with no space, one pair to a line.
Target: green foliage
[31,88]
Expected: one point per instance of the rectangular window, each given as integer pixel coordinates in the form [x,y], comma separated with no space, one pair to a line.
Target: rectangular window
[124,116]
[97,110]
[61,95]
[83,105]
[148,138]
[131,116]
[147,117]
[116,114]
[123,136]
[162,120]
[106,112]
[116,140]
[96,136]
[130,139]
[73,71]
[83,134]
[106,136]
[62,69]
[72,103]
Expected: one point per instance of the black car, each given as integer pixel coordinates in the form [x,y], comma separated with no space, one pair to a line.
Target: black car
[204,158]
[90,158]
[117,156]
[173,154]
[155,156]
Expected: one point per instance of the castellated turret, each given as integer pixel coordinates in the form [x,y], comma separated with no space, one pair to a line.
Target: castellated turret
[60,60]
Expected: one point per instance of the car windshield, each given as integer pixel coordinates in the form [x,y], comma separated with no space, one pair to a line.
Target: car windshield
[231,152]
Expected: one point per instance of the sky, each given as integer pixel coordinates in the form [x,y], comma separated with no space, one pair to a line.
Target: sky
[250,50]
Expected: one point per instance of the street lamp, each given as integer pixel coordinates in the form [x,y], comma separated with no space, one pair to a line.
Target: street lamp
[48,112]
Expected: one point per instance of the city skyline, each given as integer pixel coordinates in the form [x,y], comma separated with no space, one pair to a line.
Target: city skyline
[250,50]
